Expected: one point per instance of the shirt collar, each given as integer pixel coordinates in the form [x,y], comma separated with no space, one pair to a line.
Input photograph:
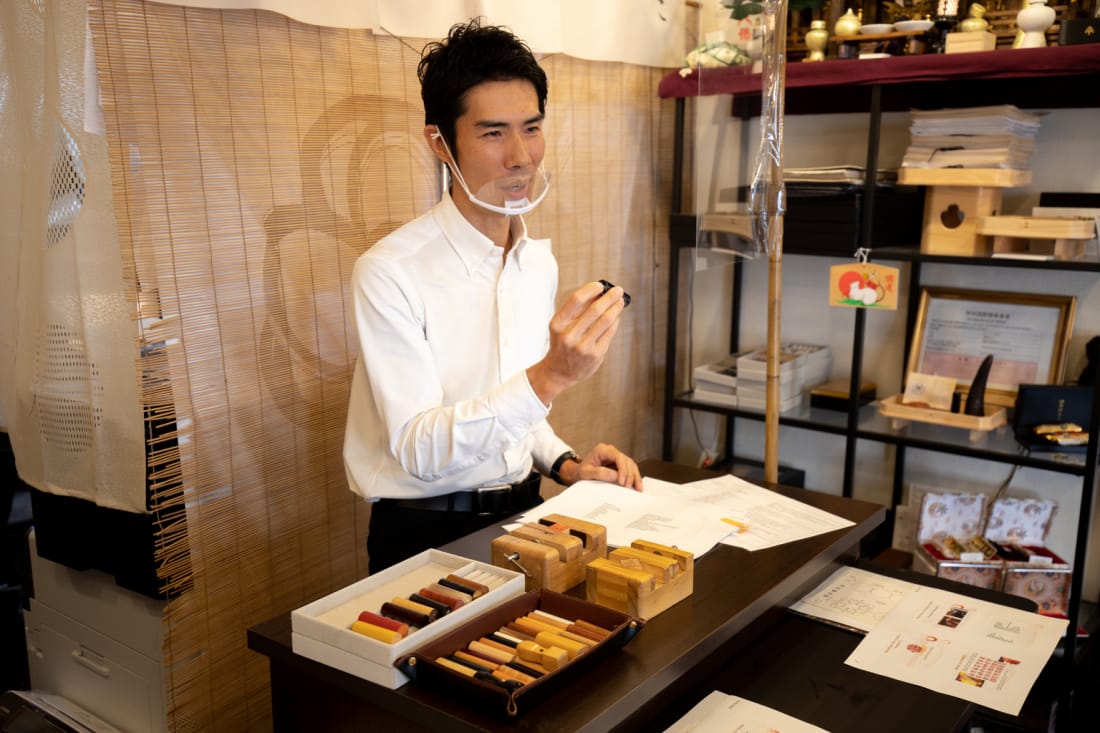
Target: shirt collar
[470,244]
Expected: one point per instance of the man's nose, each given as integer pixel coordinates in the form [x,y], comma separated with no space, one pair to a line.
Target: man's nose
[518,153]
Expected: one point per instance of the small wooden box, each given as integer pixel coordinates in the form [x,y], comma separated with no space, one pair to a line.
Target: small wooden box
[967,41]
[552,553]
[951,216]
[642,580]
[956,199]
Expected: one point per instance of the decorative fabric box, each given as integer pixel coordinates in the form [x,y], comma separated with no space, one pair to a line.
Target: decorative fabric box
[979,573]
[422,667]
[1019,525]
[958,516]
[1048,586]
[1043,577]
[321,630]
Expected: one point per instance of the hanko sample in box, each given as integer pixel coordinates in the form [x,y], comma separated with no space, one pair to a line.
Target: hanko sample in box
[429,595]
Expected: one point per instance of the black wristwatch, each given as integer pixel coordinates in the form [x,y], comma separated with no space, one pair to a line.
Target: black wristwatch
[566,456]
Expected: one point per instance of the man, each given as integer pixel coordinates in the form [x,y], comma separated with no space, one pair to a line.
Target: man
[458,370]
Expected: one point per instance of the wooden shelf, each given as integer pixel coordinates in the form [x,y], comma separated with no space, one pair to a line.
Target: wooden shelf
[1031,78]
[994,177]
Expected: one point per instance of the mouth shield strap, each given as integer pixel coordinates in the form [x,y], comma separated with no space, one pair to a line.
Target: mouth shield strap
[517,194]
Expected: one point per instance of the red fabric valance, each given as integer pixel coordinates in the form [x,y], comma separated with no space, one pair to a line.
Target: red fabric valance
[1001,64]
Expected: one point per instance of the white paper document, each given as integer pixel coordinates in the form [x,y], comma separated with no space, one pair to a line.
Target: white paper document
[693,516]
[854,598]
[765,517]
[630,515]
[988,654]
[722,713]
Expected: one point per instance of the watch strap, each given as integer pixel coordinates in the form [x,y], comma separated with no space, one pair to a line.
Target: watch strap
[556,468]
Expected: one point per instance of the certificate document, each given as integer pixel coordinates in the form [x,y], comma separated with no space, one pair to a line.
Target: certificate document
[958,334]
[983,652]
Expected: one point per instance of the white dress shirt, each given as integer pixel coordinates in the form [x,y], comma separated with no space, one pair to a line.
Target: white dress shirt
[440,400]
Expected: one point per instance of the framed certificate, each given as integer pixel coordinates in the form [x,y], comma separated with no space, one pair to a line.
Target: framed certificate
[1026,333]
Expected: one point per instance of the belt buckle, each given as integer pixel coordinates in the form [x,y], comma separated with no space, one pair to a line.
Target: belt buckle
[491,491]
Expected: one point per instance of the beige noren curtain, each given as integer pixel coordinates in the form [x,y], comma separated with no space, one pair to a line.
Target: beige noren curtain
[251,159]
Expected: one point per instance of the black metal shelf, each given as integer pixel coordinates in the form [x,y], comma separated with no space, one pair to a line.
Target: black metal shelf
[1028,78]
[996,445]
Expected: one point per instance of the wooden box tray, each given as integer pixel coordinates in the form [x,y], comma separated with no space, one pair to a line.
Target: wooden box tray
[995,416]
[422,667]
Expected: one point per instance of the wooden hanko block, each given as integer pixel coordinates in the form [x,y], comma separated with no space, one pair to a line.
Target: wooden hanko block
[551,553]
[641,580]
[592,536]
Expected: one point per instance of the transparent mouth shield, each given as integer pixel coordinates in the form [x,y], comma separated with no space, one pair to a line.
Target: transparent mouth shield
[516,193]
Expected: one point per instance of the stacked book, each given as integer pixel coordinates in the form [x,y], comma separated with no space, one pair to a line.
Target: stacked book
[716,382]
[999,136]
[740,380]
[801,366]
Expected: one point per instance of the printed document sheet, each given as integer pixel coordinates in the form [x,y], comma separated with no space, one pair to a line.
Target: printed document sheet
[854,598]
[722,713]
[759,517]
[693,516]
[986,653]
[630,515]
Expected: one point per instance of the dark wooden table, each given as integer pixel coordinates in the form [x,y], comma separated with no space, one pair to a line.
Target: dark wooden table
[739,598]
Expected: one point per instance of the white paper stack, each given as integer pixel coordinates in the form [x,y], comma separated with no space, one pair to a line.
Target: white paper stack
[801,367]
[717,381]
[999,136]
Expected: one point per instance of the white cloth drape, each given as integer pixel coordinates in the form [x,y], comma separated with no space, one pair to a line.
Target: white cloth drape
[69,351]
[645,32]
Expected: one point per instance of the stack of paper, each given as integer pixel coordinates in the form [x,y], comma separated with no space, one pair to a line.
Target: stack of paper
[717,381]
[1000,136]
[851,174]
[801,367]
[693,516]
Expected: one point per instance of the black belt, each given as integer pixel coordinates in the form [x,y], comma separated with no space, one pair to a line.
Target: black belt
[504,499]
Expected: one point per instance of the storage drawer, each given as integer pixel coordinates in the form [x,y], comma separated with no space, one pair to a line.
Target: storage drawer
[108,678]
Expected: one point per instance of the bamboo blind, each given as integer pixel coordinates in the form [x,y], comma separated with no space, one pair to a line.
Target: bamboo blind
[253,158]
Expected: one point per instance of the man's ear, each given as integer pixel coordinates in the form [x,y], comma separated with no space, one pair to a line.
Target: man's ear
[435,142]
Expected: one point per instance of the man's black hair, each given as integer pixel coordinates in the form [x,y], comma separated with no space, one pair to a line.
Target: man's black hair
[472,54]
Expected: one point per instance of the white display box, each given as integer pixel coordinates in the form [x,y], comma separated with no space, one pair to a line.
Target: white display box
[321,630]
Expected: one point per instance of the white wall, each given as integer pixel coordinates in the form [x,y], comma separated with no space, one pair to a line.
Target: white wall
[1064,160]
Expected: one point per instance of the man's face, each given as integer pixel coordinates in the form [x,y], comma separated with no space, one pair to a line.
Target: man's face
[499,141]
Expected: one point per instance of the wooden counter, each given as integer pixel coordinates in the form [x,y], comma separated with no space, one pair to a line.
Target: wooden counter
[738,595]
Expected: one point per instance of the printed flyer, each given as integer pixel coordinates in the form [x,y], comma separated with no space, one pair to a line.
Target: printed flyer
[983,652]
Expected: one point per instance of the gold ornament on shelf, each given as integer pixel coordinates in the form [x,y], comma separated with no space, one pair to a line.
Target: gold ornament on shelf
[847,24]
[975,21]
[817,39]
